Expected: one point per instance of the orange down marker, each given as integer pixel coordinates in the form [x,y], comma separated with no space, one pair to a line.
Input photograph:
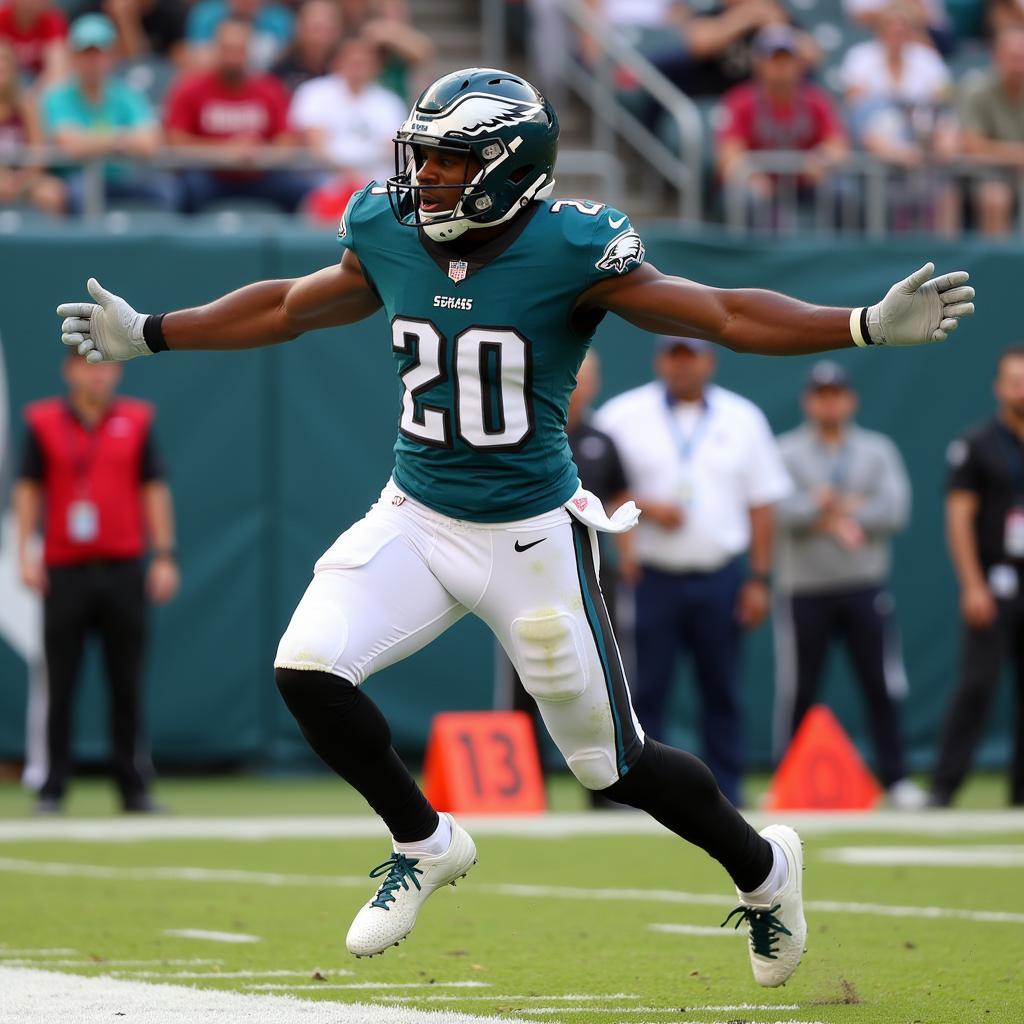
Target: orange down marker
[483,762]
[822,770]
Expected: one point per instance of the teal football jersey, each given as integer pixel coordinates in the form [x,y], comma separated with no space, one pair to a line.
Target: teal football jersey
[485,350]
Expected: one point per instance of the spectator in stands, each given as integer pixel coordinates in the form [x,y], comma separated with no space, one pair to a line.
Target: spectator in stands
[348,119]
[23,183]
[703,466]
[985,533]
[992,119]
[272,28]
[850,495]
[317,34]
[144,27]
[644,24]
[898,93]
[895,66]
[1001,14]
[404,51]
[931,15]
[37,29]
[778,110]
[95,115]
[241,119]
[717,45]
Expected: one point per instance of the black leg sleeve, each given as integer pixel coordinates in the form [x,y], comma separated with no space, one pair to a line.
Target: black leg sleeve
[348,733]
[679,790]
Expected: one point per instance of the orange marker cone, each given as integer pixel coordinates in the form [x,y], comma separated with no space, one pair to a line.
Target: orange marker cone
[483,762]
[822,770]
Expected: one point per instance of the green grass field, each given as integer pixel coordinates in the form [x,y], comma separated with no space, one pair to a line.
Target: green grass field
[578,928]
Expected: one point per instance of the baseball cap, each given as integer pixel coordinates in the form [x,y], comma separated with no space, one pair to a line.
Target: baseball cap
[92,31]
[827,374]
[668,342]
[775,39]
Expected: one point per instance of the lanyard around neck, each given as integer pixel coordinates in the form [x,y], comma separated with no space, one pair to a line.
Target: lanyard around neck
[686,444]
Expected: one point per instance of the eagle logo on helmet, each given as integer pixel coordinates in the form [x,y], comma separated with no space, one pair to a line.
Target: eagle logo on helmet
[478,113]
[621,251]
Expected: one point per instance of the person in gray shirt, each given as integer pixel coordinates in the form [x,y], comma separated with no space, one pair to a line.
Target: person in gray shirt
[992,121]
[850,495]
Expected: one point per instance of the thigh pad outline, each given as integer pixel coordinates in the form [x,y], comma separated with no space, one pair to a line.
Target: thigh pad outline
[549,655]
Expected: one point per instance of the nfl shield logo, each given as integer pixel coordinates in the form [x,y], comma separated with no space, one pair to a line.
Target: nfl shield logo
[457,270]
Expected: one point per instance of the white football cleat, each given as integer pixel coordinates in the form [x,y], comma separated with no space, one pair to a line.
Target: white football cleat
[906,795]
[408,881]
[777,927]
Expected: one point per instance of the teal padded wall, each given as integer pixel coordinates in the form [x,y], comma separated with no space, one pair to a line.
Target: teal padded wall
[272,453]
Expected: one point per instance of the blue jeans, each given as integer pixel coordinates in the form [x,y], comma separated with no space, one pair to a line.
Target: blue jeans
[693,612]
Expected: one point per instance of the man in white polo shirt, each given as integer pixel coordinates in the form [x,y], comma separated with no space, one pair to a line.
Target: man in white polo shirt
[704,468]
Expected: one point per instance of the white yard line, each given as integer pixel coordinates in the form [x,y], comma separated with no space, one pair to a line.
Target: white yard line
[201,933]
[382,985]
[764,1008]
[543,826]
[682,1021]
[614,895]
[695,929]
[100,962]
[928,856]
[177,874]
[716,1008]
[230,975]
[66,998]
[569,996]
[59,951]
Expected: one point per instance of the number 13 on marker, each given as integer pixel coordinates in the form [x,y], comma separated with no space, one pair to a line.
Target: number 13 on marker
[483,762]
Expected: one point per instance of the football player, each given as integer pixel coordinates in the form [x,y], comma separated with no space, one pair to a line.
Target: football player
[493,292]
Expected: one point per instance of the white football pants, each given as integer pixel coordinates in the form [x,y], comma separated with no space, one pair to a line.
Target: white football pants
[403,574]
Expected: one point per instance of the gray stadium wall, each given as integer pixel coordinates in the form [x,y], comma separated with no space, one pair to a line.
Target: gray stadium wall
[272,453]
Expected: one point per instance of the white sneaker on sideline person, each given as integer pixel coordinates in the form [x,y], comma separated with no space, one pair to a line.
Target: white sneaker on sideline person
[777,927]
[408,881]
[906,795]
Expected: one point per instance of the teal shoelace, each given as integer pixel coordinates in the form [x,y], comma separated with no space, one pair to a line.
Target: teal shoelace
[400,871]
[765,928]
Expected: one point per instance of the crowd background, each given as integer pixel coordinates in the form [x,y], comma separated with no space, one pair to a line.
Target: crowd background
[292,103]
[272,454]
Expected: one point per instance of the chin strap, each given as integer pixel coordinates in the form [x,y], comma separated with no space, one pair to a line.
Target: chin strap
[449,230]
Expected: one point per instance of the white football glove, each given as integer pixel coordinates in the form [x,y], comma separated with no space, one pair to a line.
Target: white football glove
[915,311]
[108,332]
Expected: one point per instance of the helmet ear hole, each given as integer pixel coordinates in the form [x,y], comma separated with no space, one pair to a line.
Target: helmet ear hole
[518,175]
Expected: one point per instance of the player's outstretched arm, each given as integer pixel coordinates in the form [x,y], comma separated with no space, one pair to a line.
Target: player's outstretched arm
[264,313]
[917,310]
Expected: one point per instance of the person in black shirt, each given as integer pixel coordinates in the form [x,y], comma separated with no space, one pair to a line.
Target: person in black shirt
[314,46]
[144,27]
[718,45]
[985,528]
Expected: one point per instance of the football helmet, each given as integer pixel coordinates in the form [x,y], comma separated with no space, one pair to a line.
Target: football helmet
[494,117]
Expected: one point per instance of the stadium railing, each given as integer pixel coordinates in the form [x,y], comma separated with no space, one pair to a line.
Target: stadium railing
[611,120]
[603,167]
[861,195]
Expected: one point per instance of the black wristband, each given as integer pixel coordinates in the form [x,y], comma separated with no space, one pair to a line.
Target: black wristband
[864,332]
[164,553]
[761,577]
[153,333]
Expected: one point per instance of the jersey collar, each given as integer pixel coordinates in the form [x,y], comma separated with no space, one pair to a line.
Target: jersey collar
[476,259]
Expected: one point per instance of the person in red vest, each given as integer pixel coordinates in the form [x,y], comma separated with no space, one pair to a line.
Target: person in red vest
[93,476]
